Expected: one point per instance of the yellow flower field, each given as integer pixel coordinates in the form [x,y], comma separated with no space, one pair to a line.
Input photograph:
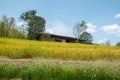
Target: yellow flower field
[16,48]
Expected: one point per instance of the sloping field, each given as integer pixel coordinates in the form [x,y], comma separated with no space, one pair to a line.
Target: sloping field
[14,48]
[36,60]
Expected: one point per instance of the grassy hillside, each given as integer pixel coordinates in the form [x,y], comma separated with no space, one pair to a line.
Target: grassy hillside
[15,48]
[36,60]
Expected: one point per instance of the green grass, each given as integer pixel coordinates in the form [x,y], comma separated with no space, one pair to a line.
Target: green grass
[59,70]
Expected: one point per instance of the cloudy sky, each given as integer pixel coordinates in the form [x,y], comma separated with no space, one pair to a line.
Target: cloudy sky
[102,16]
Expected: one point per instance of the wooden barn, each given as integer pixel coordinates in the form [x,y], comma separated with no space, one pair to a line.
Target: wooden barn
[58,38]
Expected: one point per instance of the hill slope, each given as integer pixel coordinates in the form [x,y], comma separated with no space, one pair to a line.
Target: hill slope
[16,48]
[99,62]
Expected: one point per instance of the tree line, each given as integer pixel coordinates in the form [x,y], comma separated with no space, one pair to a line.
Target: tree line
[8,28]
[79,31]
[36,26]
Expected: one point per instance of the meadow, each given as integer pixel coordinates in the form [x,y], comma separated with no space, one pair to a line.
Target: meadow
[16,48]
[37,60]
[42,69]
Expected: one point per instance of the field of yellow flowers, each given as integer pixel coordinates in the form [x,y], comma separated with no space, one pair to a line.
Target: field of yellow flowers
[16,48]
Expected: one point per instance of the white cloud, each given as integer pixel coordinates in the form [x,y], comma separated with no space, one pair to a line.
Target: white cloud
[19,24]
[91,28]
[49,31]
[111,29]
[117,15]
[58,27]
[102,41]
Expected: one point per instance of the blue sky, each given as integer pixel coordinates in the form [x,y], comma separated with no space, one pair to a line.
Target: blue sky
[102,16]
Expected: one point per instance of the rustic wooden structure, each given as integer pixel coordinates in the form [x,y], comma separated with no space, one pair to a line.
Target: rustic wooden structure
[58,38]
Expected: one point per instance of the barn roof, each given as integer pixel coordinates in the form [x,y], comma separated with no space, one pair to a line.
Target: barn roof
[65,37]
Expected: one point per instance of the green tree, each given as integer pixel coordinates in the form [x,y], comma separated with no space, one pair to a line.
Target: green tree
[87,37]
[45,37]
[2,29]
[78,29]
[118,44]
[36,24]
[8,28]
[6,24]
[15,33]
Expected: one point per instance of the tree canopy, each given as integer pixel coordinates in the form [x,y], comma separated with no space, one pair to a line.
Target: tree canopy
[79,28]
[87,37]
[6,24]
[36,24]
[118,44]
[8,28]
[80,33]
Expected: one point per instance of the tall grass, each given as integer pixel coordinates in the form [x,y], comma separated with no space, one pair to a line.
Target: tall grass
[59,70]
[16,48]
